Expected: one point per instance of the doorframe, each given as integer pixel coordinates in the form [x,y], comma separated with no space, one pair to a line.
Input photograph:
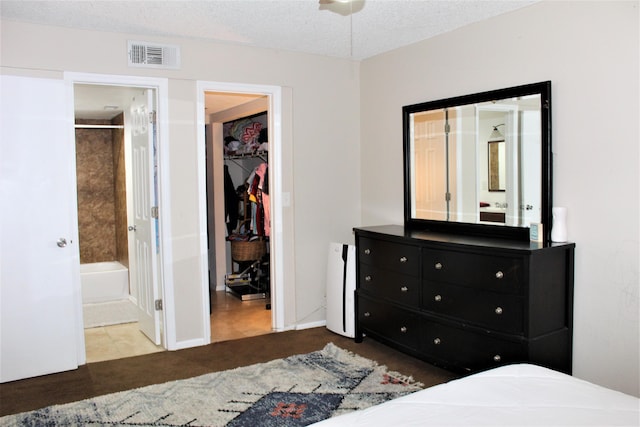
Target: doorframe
[512,148]
[165,259]
[274,94]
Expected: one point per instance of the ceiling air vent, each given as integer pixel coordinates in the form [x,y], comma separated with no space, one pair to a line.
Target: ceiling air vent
[153,55]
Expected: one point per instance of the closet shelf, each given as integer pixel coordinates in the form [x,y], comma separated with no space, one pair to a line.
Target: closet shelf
[86,126]
[260,154]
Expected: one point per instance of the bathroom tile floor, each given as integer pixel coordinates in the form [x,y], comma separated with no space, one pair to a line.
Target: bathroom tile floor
[117,341]
[231,318]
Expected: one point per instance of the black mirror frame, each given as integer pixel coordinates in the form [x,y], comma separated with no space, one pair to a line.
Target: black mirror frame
[486,230]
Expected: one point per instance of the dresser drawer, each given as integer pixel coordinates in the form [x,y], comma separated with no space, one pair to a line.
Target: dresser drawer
[468,349]
[401,288]
[393,323]
[491,272]
[397,257]
[501,312]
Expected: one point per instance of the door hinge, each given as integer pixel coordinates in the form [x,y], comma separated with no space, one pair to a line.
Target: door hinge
[152,117]
[154,212]
[158,304]
[447,197]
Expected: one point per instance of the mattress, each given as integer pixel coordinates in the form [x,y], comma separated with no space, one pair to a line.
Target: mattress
[513,395]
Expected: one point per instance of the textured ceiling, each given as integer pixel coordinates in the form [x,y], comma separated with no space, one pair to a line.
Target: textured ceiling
[358,30]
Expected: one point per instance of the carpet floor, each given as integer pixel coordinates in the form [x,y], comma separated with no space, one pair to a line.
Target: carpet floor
[295,391]
[96,379]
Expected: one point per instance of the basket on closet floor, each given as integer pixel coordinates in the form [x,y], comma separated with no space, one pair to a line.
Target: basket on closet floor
[248,250]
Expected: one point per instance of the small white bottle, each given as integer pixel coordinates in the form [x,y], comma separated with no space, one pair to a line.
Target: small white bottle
[559,225]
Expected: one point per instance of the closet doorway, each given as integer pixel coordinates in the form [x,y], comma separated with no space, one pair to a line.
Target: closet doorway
[240,291]
[241,134]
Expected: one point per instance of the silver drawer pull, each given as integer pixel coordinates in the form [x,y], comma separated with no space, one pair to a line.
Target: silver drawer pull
[403,329]
[499,275]
[498,310]
[404,289]
[437,341]
[367,251]
[367,278]
[497,358]
[438,266]
[437,298]
[403,259]
[367,314]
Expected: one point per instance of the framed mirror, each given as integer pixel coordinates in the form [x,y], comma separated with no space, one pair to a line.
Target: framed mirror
[480,164]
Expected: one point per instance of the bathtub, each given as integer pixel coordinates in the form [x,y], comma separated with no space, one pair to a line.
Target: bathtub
[104,282]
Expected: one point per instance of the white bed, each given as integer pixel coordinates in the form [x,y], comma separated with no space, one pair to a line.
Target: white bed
[513,395]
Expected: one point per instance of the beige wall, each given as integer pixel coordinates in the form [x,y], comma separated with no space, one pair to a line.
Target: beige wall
[589,50]
[320,147]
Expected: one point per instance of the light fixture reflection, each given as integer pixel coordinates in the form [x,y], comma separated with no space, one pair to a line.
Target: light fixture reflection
[495,134]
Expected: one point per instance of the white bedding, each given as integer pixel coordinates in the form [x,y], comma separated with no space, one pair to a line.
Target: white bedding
[513,395]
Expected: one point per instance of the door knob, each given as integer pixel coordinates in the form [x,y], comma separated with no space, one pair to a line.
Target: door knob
[132,228]
[62,242]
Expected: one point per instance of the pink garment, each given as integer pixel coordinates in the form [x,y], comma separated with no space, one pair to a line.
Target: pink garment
[267,214]
[261,172]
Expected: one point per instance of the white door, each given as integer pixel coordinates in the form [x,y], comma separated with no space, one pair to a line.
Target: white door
[39,256]
[531,204]
[430,160]
[143,230]
[512,153]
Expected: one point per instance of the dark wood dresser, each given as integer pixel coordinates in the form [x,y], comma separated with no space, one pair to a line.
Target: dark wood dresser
[465,303]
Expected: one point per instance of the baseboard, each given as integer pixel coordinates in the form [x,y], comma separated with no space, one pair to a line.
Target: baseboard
[181,345]
[311,325]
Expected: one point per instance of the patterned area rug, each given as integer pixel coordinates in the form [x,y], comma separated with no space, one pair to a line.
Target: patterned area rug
[295,391]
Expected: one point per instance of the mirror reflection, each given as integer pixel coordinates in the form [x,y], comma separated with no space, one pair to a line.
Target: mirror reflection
[496,160]
[497,173]
[478,162]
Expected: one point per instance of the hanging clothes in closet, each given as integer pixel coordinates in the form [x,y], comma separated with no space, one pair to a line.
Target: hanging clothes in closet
[245,146]
[258,191]
[230,202]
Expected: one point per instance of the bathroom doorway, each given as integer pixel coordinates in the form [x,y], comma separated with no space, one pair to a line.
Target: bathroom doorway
[116,166]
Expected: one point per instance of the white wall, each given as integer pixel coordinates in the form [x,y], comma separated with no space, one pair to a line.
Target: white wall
[320,147]
[589,50]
